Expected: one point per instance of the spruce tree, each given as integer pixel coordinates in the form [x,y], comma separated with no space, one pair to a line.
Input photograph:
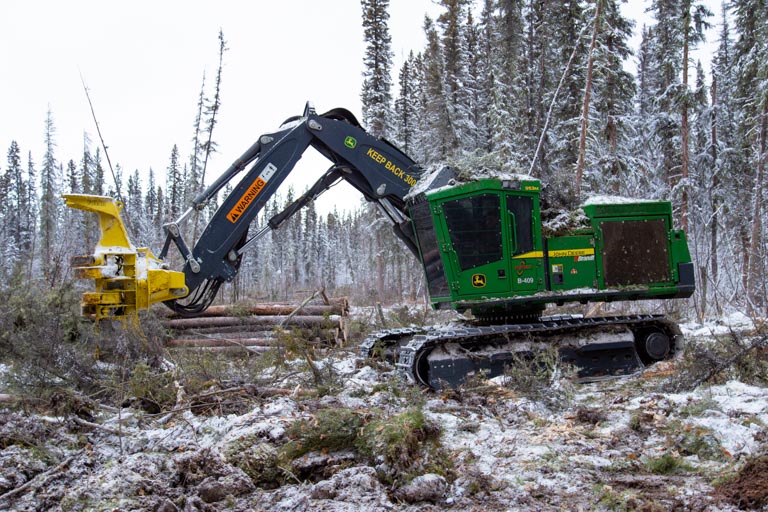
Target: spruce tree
[723,160]
[751,97]
[196,158]
[439,135]
[174,185]
[14,206]
[608,155]
[376,92]
[666,71]
[694,21]
[406,106]
[212,109]
[50,183]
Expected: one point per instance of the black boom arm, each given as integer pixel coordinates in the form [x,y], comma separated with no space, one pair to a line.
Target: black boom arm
[373,166]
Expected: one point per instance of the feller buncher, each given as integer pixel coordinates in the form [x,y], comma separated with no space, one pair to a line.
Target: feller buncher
[480,239]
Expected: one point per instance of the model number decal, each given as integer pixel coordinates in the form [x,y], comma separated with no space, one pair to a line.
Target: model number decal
[256,187]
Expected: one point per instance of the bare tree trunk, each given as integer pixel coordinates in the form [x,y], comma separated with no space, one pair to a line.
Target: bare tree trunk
[714,200]
[213,110]
[684,127]
[755,261]
[587,96]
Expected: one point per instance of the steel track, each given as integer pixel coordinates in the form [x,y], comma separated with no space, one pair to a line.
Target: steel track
[440,356]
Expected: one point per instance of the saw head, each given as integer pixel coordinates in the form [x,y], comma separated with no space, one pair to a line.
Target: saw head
[127,279]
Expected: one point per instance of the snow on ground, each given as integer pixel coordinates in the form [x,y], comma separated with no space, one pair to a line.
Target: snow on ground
[734,321]
[623,444]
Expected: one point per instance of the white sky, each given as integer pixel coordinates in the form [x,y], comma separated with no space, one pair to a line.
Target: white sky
[143,63]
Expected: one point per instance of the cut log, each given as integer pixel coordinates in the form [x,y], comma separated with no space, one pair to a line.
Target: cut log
[266,310]
[256,331]
[335,306]
[229,333]
[231,348]
[228,321]
[212,342]
[226,328]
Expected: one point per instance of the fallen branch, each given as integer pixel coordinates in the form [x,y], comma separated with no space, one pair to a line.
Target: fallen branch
[762,342]
[41,479]
[195,401]
[96,426]
[304,303]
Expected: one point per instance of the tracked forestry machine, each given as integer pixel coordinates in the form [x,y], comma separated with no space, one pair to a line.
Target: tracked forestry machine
[479,236]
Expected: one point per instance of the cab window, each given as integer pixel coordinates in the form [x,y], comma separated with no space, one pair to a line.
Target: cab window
[474,225]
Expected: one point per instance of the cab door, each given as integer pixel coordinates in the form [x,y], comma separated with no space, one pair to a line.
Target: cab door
[475,249]
[525,253]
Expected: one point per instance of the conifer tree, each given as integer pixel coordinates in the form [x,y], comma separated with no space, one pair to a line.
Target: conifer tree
[135,209]
[196,157]
[566,25]
[5,222]
[376,92]
[50,179]
[174,185]
[406,106]
[644,64]
[454,66]
[30,226]
[473,101]
[751,97]
[608,157]
[15,208]
[694,21]
[665,69]
[212,109]
[723,160]
[439,136]
[98,176]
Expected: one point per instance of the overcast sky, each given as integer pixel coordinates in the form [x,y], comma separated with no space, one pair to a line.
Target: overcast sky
[143,62]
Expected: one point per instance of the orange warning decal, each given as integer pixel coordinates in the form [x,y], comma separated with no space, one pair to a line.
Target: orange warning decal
[250,194]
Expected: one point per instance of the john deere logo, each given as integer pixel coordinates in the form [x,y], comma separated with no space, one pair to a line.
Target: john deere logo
[350,142]
[478,280]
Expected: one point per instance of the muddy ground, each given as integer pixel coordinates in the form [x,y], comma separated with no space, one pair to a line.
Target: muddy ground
[368,442]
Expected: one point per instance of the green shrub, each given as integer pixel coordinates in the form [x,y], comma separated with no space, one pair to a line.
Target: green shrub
[667,464]
[407,443]
[541,376]
[399,439]
[329,429]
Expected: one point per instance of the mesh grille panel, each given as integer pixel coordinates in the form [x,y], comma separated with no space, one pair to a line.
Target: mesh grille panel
[635,252]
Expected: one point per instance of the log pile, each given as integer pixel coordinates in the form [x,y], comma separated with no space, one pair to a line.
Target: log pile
[257,327]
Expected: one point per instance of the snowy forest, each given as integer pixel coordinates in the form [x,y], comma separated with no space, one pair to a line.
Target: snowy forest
[515,85]
[274,402]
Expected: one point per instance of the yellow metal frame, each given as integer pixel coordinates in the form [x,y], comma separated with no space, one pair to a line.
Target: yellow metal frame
[127,279]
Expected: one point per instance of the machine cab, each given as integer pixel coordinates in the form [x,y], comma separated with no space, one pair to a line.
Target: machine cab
[480,240]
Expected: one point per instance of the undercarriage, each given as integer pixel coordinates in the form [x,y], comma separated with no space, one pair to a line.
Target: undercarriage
[441,357]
